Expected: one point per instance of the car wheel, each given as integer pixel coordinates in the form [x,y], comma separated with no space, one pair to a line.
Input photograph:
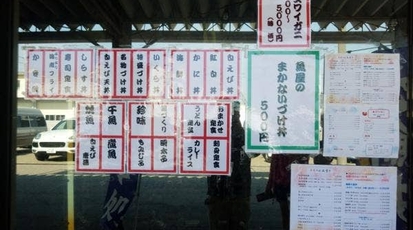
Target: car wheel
[267,157]
[41,157]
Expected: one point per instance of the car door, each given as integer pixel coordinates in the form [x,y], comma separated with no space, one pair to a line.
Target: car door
[24,131]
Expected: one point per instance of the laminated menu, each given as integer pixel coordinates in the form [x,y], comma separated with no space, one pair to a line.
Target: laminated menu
[343,197]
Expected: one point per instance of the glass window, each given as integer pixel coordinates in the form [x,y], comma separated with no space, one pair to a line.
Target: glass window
[24,121]
[71,182]
[37,121]
[65,124]
[60,117]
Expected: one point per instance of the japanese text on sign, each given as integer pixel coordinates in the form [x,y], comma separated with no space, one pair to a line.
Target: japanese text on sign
[284,101]
[152,146]
[205,74]
[205,139]
[336,197]
[361,111]
[284,23]
[131,73]
[59,73]
[100,137]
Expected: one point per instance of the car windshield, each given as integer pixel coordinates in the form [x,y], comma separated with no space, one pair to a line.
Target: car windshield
[65,124]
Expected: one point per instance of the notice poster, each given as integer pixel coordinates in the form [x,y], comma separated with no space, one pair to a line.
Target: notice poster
[361,110]
[131,73]
[284,23]
[205,74]
[205,139]
[282,114]
[152,138]
[331,197]
[100,137]
[55,73]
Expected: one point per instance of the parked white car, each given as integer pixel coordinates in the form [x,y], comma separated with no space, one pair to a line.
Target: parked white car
[60,140]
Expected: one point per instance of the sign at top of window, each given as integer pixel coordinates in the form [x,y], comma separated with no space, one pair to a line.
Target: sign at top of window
[284,23]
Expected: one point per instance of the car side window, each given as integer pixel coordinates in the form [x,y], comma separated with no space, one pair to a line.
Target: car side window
[18,122]
[71,125]
[64,124]
[60,126]
[37,121]
[24,121]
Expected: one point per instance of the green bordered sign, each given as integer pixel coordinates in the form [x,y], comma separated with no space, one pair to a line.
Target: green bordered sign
[282,112]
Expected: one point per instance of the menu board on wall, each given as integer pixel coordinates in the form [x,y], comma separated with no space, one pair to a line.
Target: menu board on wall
[361,105]
[331,197]
[154,137]
[283,102]
[147,111]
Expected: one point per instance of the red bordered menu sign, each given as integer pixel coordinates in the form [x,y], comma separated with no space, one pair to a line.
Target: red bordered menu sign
[152,138]
[100,140]
[284,23]
[205,74]
[55,73]
[205,138]
[131,73]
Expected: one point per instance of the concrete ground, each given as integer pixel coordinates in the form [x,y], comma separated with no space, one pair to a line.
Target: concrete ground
[177,202]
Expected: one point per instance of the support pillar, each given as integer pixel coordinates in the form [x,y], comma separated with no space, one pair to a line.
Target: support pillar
[8,46]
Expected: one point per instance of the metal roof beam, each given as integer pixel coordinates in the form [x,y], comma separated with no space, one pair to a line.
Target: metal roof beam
[166,8]
[147,7]
[398,7]
[72,7]
[129,8]
[318,9]
[199,37]
[36,8]
[341,5]
[56,9]
[185,7]
[95,10]
[359,7]
[379,5]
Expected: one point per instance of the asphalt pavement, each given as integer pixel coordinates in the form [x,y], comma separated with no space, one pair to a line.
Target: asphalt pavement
[162,202]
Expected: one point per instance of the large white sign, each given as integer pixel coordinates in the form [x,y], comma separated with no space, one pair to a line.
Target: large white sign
[283,102]
[361,111]
[328,197]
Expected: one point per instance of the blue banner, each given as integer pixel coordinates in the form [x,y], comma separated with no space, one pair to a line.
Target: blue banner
[119,197]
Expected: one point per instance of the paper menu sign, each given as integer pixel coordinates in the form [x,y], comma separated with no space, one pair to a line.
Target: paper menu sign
[131,73]
[100,137]
[152,137]
[284,24]
[59,73]
[343,197]
[205,74]
[206,139]
[361,110]
[282,102]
